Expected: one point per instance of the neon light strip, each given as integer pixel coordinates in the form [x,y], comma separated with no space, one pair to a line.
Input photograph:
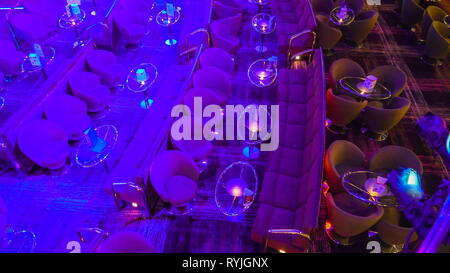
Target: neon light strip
[448,144]
[16,8]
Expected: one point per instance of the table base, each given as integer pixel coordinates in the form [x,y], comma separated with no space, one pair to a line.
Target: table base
[261,48]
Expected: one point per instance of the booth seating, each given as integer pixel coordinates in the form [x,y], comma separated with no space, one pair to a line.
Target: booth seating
[44,142]
[125,242]
[217,57]
[87,86]
[289,37]
[224,33]
[104,64]
[292,184]
[70,113]
[174,176]
[10,58]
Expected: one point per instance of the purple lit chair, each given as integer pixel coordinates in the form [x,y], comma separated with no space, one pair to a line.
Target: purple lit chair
[224,33]
[197,149]
[356,5]
[130,28]
[217,57]
[10,58]
[349,216]
[213,78]
[30,28]
[223,10]
[44,142]
[87,87]
[70,113]
[390,77]
[328,36]
[379,118]
[104,64]
[281,7]
[102,35]
[173,175]
[125,242]
[344,68]
[322,7]
[411,13]
[140,9]
[50,10]
[431,14]
[342,156]
[209,96]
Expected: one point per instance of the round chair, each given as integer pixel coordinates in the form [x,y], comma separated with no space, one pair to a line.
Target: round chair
[431,14]
[50,10]
[208,96]
[391,230]
[197,149]
[437,44]
[358,31]
[344,68]
[342,156]
[10,58]
[70,113]
[342,109]
[393,157]
[213,78]
[222,10]
[130,28]
[411,12]
[125,242]
[44,142]
[379,118]
[356,5]
[328,36]
[217,57]
[322,7]
[37,31]
[104,64]
[173,175]
[3,217]
[349,216]
[391,77]
[224,33]
[86,86]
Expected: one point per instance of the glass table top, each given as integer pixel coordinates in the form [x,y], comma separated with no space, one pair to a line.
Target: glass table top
[354,85]
[264,23]
[261,73]
[342,19]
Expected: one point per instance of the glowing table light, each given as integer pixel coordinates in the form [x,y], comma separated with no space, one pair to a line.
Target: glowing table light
[235,187]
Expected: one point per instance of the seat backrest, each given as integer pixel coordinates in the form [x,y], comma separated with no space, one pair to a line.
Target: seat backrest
[437,44]
[344,68]
[363,24]
[380,120]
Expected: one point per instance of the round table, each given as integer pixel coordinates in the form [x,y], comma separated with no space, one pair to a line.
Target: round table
[263,23]
[236,188]
[164,19]
[96,145]
[29,65]
[336,19]
[353,86]
[67,21]
[365,186]
[140,79]
[261,73]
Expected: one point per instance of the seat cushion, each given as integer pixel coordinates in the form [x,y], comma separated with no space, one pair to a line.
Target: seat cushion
[70,113]
[125,242]
[217,57]
[180,189]
[44,142]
